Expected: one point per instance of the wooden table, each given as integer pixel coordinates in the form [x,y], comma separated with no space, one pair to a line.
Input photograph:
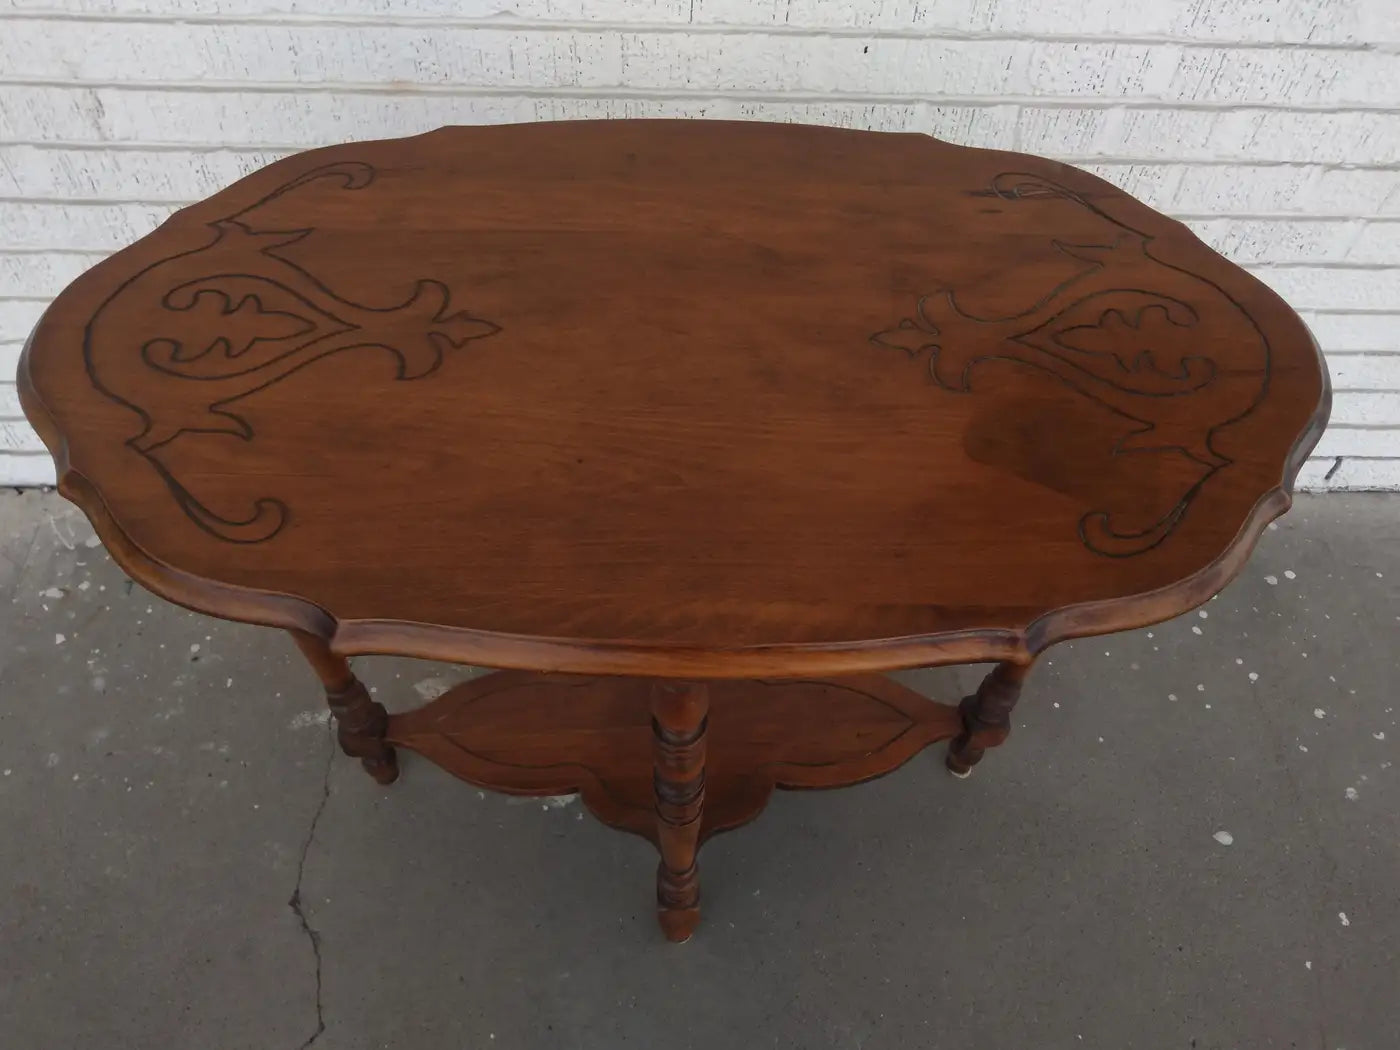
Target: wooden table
[695,427]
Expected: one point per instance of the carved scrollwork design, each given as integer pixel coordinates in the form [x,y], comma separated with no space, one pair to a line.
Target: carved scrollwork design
[251,318]
[1128,331]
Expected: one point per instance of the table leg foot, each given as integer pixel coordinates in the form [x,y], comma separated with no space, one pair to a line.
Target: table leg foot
[986,717]
[360,722]
[679,720]
[955,767]
[677,903]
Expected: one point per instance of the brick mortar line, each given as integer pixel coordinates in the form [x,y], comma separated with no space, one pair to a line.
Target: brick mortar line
[544,25]
[125,146]
[1351,312]
[1144,103]
[1268,267]
[1333,265]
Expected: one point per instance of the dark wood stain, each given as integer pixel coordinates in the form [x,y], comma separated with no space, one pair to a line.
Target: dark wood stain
[655,406]
[746,411]
[678,762]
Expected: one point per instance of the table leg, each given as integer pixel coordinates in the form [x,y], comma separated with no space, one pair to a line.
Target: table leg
[986,716]
[360,723]
[679,714]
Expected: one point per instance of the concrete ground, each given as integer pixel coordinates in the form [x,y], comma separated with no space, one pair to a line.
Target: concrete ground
[1191,840]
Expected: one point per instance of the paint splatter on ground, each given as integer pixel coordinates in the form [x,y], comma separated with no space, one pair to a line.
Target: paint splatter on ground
[173,820]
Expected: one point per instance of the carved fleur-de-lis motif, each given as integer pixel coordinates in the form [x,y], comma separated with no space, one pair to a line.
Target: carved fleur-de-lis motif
[1145,340]
[1127,331]
[213,323]
[913,335]
[255,317]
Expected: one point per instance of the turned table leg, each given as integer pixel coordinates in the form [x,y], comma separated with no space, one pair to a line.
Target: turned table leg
[360,723]
[678,721]
[986,716]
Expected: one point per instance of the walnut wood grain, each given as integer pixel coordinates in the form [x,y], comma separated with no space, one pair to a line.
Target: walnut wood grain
[675,762]
[548,734]
[683,399]
[671,761]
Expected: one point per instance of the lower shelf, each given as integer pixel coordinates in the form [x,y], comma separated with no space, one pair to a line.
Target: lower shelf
[527,733]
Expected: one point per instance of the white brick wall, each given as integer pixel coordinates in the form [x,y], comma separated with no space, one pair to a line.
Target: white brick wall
[1271,126]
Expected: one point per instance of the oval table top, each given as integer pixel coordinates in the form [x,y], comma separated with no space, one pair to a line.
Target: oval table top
[676,398]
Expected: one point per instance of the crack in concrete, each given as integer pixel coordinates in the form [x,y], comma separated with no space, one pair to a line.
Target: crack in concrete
[295,901]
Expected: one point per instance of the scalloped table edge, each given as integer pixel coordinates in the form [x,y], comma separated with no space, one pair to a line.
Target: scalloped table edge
[622,657]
